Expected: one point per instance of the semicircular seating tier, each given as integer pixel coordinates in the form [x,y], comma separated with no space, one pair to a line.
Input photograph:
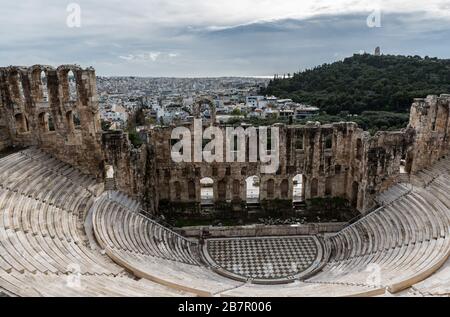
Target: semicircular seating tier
[47,249]
[394,247]
[44,250]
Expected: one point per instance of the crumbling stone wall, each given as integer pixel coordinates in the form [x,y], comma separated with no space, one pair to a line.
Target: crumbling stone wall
[336,160]
[39,110]
[5,138]
[430,119]
[134,169]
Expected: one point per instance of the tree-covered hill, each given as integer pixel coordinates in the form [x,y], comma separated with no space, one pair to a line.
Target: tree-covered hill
[366,83]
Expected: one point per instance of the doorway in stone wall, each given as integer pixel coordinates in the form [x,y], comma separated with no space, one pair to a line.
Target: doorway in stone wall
[207,191]
[253,186]
[297,195]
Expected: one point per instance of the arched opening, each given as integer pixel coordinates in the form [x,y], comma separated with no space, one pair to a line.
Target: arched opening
[69,121]
[191,190]
[299,144]
[252,194]
[236,190]
[298,188]
[177,189]
[72,86]
[355,190]
[222,190]
[403,164]
[109,171]
[270,187]
[329,141]
[204,108]
[164,185]
[43,122]
[314,188]
[207,191]
[329,186]
[51,122]
[110,183]
[284,189]
[44,86]
[73,120]
[21,123]
[409,161]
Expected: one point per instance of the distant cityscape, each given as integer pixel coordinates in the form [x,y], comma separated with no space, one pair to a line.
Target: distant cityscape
[166,101]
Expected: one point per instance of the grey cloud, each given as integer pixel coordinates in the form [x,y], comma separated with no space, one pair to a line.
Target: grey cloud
[147,48]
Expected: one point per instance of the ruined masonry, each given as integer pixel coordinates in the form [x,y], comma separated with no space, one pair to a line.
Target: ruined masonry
[42,106]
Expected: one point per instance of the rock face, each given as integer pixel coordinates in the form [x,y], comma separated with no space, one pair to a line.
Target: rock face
[38,108]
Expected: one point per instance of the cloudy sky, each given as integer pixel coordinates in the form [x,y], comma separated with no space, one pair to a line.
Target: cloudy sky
[216,37]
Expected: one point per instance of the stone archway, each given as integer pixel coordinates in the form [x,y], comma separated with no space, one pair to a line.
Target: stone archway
[297,190]
[222,190]
[207,190]
[192,193]
[236,190]
[270,188]
[314,188]
[21,123]
[177,189]
[252,189]
[284,189]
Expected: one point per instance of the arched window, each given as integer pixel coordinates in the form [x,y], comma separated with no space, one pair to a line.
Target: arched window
[76,120]
[329,186]
[284,188]
[177,188]
[191,190]
[222,190]
[21,123]
[164,186]
[236,189]
[329,141]
[167,173]
[206,109]
[43,122]
[69,121]
[270,188]
[299,140]
[51,122]
[39,89]
[314,188]
[44,87]
[72,86]
[46,122]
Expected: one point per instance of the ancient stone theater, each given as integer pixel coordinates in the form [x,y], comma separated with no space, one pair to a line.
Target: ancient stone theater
[81,208]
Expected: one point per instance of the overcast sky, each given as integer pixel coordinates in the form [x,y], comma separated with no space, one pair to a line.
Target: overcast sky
[217,37]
